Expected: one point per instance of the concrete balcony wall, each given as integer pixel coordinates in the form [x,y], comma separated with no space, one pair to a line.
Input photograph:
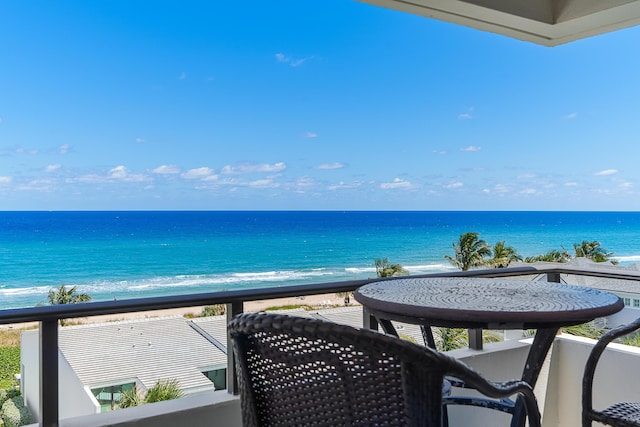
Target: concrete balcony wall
[617,379]
[204,409]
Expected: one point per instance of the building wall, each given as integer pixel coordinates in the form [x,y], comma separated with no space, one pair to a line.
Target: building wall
[30,371]
[74,399]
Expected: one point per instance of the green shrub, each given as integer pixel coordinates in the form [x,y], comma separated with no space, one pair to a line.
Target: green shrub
[213,310]
[131,398]
[633,340]
[587,330]
[9,366]
[164,390]
[14,413]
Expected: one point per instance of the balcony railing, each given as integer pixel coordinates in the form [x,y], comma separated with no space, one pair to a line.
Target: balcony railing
[48,316]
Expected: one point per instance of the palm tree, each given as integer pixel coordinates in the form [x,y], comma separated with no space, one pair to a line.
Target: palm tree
[162,390]
[593,251]
[385,269]
[470,251]
[64,295]
[504,255]
[551,256]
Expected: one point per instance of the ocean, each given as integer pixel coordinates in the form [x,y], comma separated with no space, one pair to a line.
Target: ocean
[134,254]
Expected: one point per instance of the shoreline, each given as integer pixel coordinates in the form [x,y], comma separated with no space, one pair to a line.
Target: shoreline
[329,300]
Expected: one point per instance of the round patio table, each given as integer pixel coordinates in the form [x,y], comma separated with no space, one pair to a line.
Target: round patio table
[483,303]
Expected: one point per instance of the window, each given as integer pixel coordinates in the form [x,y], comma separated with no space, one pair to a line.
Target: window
[636,303]
[109,396]
[218,377]
[627,301]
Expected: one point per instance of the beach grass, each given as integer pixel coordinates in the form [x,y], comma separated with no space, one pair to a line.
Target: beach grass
[10,337]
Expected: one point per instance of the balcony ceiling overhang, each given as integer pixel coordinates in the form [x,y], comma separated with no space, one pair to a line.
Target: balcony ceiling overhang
[546,22]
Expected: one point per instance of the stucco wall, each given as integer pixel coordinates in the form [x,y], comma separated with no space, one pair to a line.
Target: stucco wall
[74,399]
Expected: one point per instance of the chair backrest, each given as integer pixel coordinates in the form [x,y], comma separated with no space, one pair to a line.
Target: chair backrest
[295,371]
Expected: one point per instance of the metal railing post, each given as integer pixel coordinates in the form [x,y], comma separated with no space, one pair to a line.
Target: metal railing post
[49,373]
[475,339]
[233,309]
[368,320]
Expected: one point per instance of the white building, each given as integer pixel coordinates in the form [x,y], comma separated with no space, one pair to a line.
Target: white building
[97,362]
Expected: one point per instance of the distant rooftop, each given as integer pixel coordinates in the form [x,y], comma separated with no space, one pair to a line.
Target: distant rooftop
[146,350]
[545,22]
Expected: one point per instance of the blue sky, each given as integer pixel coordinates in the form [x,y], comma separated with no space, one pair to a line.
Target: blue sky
[330,104]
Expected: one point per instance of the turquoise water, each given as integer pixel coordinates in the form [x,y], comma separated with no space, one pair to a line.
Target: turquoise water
[140,254]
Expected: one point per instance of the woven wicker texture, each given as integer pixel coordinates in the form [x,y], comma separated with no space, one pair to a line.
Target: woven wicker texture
[623,414]
[300,372]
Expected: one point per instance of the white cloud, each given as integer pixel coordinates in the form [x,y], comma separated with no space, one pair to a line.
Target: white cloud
[118,172]
[606,172]
[397,183]
[198,173]
[31,151]
[310,135]
[121,173]
[5,180]
[344,186]
[529,192]
[439,151]
[527,176]
[268,182]
[467,115]
[571,184]
[52,168]
[262,183]
[210,178]
[87,179]
[253,168]
[626,185]
[166,170]
[500,188]
[64,148]
[37,185]
[470,148]
[330,166]
[281,57]
[453,185]
[139,140]
[571,116]
[302,184]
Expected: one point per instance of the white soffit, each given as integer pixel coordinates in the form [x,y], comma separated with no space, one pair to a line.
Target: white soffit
[546,22]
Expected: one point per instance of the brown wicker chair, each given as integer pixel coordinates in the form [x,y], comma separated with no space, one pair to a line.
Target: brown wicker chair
[625,414]
[295,371]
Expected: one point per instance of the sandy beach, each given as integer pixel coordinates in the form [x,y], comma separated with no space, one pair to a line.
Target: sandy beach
[324,300]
